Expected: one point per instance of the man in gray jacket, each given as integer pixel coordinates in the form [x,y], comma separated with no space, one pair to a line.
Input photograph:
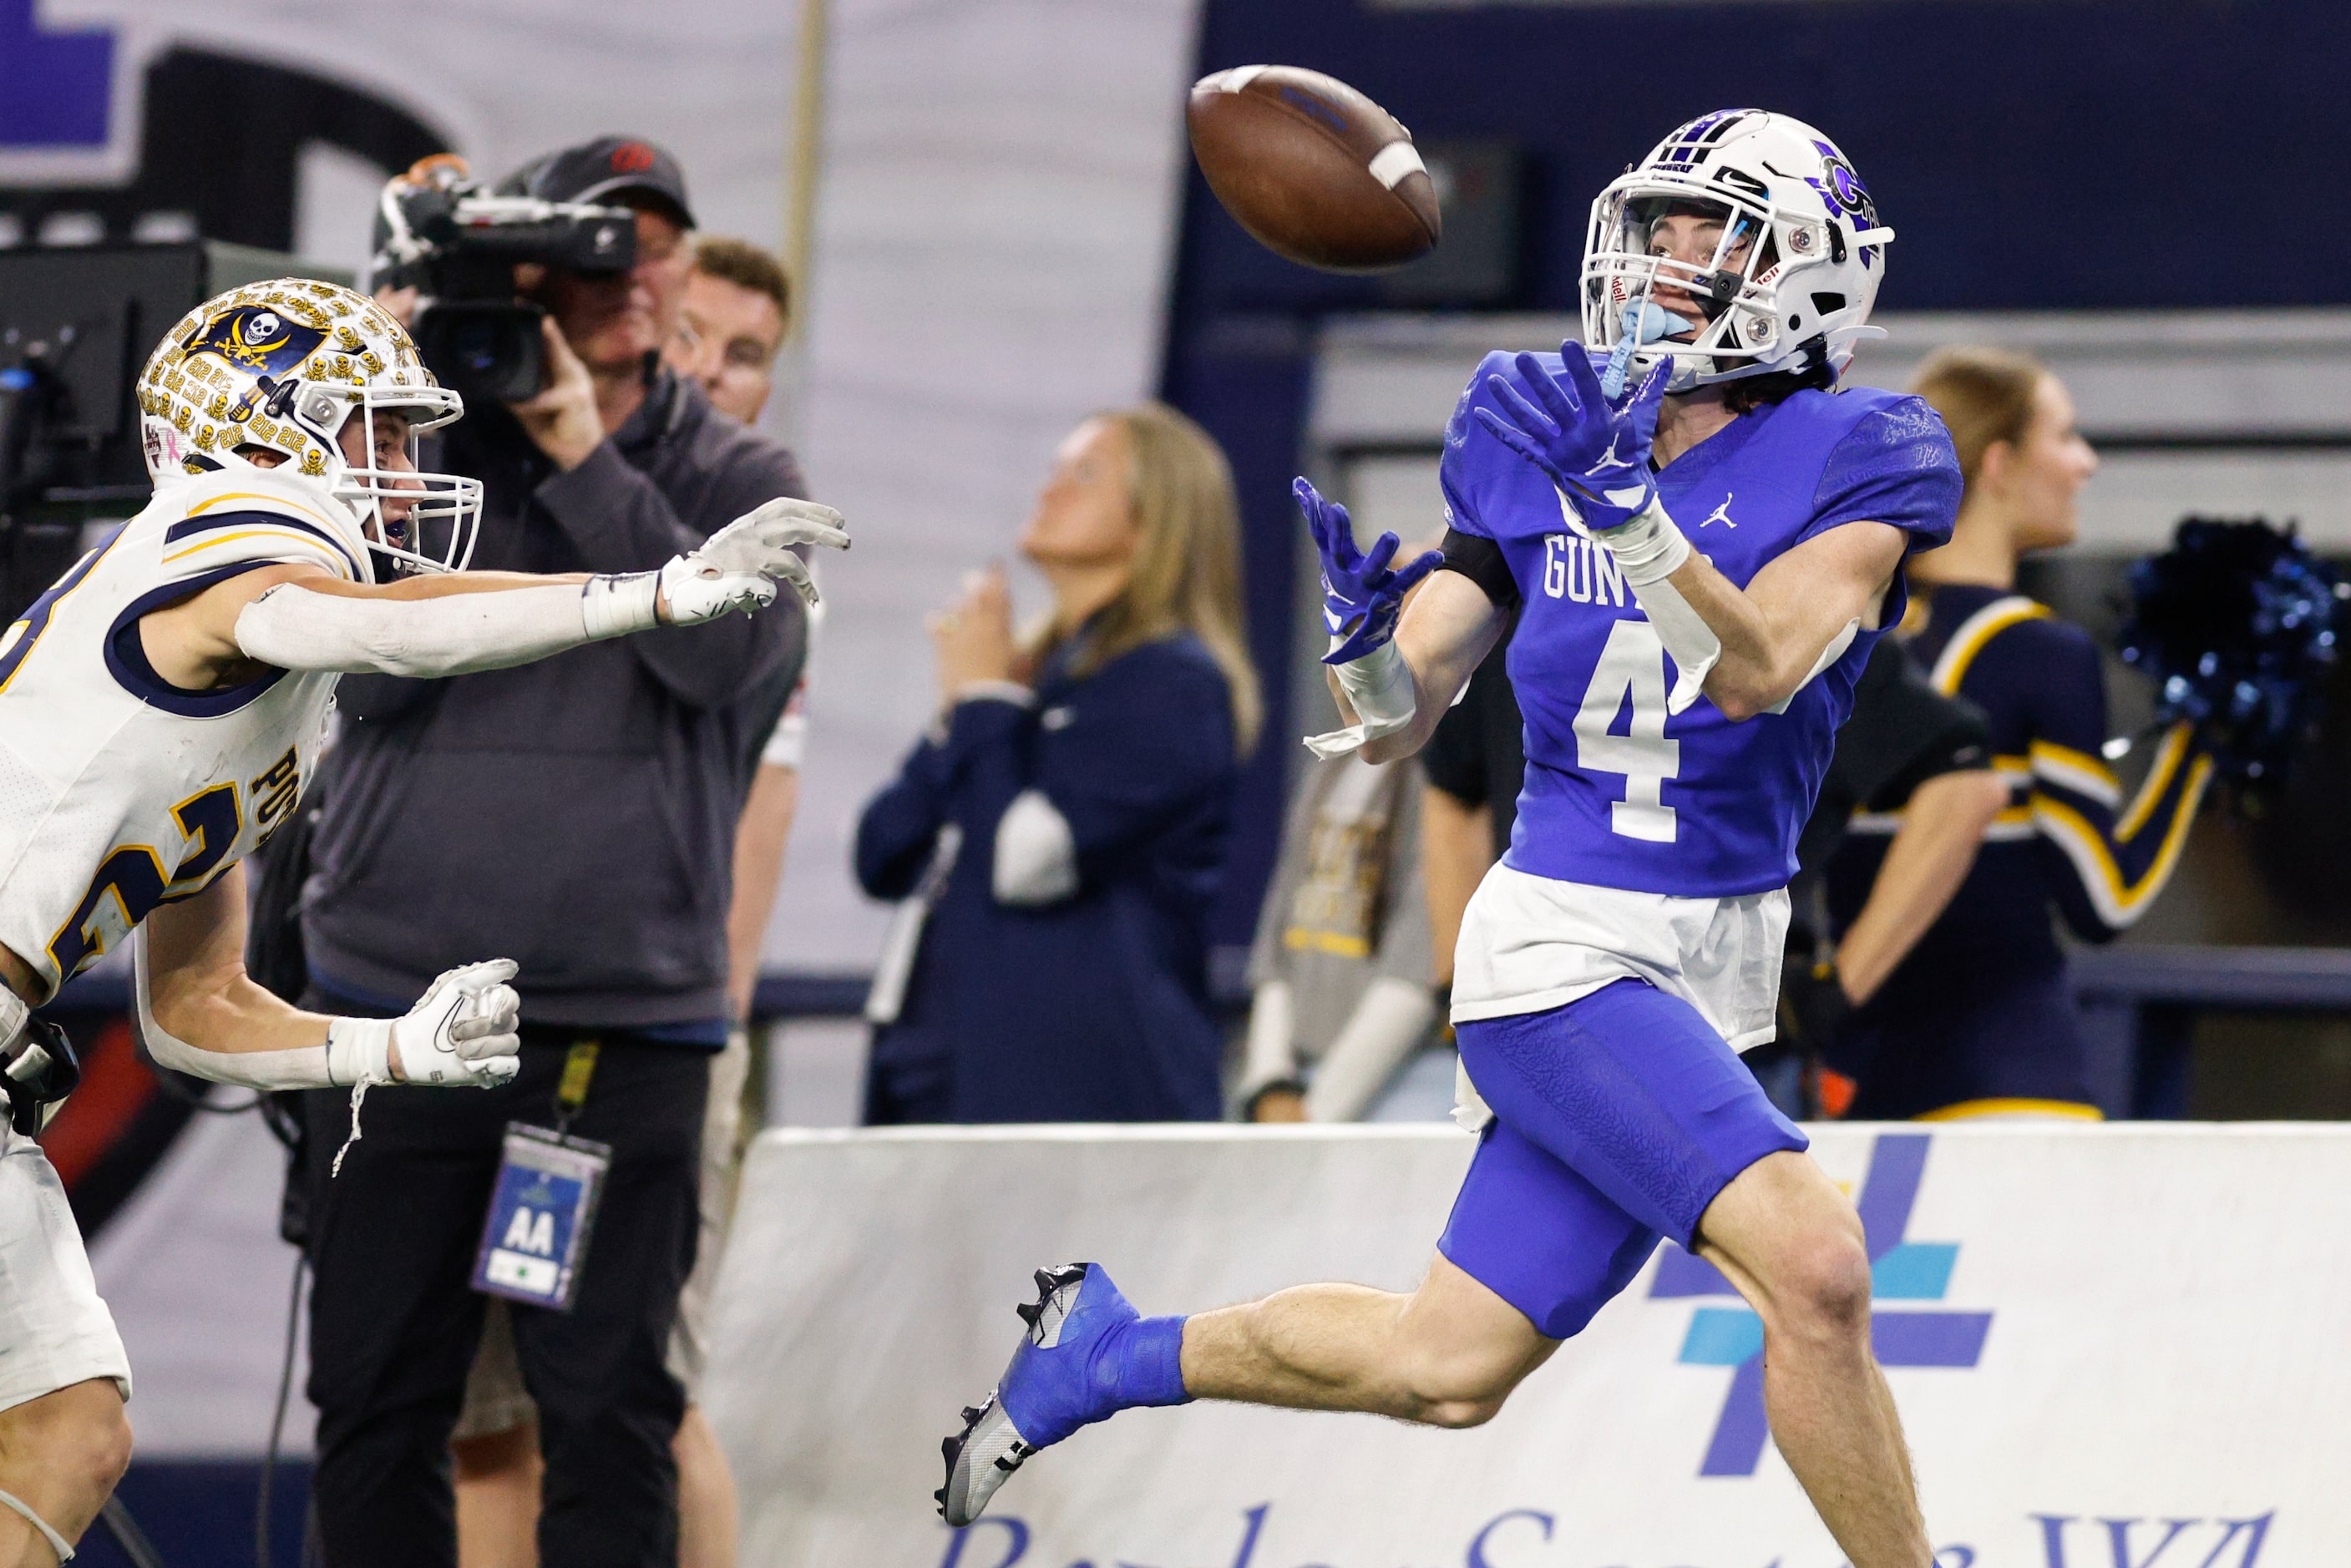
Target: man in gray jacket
[583,810]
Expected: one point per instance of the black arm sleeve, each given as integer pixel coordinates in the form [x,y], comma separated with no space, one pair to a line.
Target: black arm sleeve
[1903,733]
[1453,760]
[1480,560]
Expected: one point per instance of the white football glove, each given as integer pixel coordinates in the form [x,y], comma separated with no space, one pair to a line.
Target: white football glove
[460,1034]
[738,567]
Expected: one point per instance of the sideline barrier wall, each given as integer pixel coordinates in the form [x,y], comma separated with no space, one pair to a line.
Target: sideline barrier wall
[2112,1346]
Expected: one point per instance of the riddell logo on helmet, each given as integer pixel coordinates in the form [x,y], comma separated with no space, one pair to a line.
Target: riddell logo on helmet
[631,157]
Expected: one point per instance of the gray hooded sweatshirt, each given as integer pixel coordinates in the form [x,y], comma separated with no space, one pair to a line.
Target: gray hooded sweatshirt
[577,815]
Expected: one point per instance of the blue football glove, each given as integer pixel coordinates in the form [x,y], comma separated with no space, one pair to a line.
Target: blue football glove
[1596,450]
[1360,597]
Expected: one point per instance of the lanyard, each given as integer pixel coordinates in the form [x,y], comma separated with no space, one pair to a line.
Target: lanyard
[571,1090]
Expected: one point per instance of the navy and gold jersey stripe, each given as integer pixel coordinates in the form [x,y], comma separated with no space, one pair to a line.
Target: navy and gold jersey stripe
[226,527]
[2041,685]
[1969,638]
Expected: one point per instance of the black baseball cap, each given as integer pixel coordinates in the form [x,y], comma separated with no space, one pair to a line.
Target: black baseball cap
[608,167]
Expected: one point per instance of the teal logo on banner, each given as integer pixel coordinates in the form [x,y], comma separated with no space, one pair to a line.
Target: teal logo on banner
[1900,1270]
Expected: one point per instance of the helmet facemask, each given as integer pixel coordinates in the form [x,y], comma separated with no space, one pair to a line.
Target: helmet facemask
[416,520]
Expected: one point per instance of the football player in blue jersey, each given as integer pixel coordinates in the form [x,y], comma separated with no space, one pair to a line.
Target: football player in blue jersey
[1704,538]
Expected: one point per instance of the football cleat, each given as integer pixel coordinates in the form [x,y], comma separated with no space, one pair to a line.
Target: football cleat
[980,1458]
[1057,1381]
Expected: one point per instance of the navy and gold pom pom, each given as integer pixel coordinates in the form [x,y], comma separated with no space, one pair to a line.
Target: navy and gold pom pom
[2236,623]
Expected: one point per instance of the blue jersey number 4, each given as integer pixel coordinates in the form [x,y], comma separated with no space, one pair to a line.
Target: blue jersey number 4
[1631,673]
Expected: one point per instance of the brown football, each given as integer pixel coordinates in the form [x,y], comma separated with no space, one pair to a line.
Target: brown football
[1312,169]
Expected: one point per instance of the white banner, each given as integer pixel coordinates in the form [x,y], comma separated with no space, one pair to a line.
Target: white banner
[2113,1347]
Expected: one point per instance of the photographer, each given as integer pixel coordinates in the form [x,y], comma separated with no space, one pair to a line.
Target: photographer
[585,810]
[729,331]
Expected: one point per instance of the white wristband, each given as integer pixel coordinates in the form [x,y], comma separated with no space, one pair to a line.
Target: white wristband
[1380,688]
[1648,549]
[615,605]
[359,1051]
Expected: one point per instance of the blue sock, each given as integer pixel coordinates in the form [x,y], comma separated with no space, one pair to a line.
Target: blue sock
[1149,1358]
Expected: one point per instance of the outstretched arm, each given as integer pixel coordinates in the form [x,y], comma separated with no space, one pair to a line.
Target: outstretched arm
[2120,857]
[200,1013]
[2116,854]
[303,617]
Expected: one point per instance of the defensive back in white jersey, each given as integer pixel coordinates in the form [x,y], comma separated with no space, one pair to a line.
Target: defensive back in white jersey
[117,792]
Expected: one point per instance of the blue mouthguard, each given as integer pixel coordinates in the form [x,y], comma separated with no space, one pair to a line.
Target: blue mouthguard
[1643,325]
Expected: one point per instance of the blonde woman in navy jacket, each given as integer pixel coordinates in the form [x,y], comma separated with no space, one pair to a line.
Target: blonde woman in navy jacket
[1058,838]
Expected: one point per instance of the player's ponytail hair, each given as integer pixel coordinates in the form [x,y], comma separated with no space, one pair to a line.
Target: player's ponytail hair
[1985,395]
[1187,567]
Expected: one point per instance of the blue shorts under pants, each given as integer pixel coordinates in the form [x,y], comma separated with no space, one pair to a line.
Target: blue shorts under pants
[1618,1119]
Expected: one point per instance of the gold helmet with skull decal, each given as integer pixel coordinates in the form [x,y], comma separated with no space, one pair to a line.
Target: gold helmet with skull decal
[282,367]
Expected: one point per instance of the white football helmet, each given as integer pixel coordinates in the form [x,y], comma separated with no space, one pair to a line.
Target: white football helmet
[282,366]
[1791,282]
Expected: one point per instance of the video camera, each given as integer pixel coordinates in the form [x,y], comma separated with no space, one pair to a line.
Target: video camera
[445,233]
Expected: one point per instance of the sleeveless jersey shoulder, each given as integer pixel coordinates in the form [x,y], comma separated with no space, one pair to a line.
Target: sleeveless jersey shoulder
[119,792]
[2047,673]
[1974,632]
[1892,463]
[223,520]
[2033,675]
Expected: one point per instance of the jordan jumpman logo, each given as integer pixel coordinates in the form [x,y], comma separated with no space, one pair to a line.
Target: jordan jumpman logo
[1722,513]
